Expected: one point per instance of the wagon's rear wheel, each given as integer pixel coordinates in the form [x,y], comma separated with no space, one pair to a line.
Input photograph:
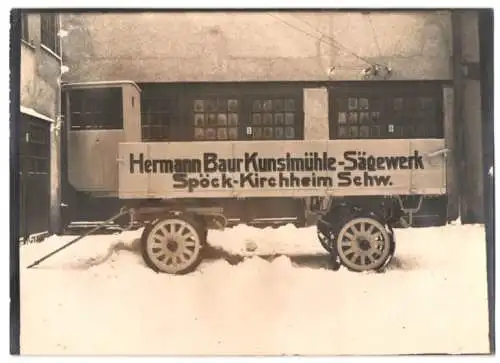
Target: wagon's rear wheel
[326,241]
[173,244]
[364,244]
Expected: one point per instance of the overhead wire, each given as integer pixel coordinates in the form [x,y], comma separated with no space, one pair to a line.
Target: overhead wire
[331,41]
[374,34]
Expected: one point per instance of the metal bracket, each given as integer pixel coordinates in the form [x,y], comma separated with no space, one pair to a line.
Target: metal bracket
[410,211]
[438,153]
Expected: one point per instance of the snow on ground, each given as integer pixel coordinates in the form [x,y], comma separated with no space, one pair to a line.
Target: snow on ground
[97,297]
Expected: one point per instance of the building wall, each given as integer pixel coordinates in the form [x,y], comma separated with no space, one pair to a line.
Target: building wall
[40,97]
[40,70]
[471,110]
[182,47]
[236,47]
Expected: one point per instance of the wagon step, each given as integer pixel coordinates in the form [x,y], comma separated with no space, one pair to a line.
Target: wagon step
[122,212]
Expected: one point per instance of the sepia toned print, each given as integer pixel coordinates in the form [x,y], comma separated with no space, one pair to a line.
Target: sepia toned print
[252,183]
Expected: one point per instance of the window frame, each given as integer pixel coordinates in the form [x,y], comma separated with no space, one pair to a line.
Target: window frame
[115,121]
[164,118]
[385,93]
[246,94]
[25,33]
[50,24]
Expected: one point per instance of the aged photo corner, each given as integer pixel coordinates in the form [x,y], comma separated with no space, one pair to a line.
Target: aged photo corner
[267,182]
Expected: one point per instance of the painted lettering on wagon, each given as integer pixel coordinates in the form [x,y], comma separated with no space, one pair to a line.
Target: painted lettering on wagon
[308,170]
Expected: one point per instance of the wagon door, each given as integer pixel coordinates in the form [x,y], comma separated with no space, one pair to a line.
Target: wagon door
[99,118]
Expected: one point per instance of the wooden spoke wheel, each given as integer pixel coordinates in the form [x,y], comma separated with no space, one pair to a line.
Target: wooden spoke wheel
[364,244]
[173,244]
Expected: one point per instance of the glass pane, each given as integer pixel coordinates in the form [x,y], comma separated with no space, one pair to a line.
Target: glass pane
[409,131]
[232,105]
[363,104]
[279,106]
[199,106]
[375,117]
[233,119]
[342,118]
[211,105]
[257,106]
[268,119]
[342,132]
[199,119]
[212,119]
[398,104]
[256,119]
[233,133]
[422,115]
[353,131]
[222,119]
[210,134]
[352,103]
[221,105]
[290,104]
[364,131]
[289,132]
[268,105]
[364,117]
[199,133]
[257,132]
[352,117]
[289,118]
[279,132]
[375,131]
[399,131]
[279,119]
[426,103]
[268,132]
[222,133]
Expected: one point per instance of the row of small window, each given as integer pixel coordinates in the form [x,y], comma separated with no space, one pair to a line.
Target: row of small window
[220,133]
[151,105]
[275,133]
[389,131]
[273,118]
[358,117]
[214,119]
[156,118]
[216,105]
[398,103]
[156,132]
[256,133]
[277,105]
[232,105]
[33,164]
[354,117]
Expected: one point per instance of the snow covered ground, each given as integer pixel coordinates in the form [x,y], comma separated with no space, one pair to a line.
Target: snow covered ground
[97,297]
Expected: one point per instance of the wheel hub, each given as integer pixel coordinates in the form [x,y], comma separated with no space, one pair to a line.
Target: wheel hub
[363,243]
[172,246]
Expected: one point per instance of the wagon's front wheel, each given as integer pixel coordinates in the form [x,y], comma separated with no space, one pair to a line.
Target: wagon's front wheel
[173,244]
[364,244]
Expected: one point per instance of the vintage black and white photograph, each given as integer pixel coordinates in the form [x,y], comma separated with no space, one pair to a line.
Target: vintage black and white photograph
[252,182]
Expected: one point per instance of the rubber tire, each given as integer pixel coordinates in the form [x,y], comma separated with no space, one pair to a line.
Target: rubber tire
[392,244]
[187,218]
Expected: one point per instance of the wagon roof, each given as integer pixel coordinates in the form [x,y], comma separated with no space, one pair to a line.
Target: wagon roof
[100,84]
